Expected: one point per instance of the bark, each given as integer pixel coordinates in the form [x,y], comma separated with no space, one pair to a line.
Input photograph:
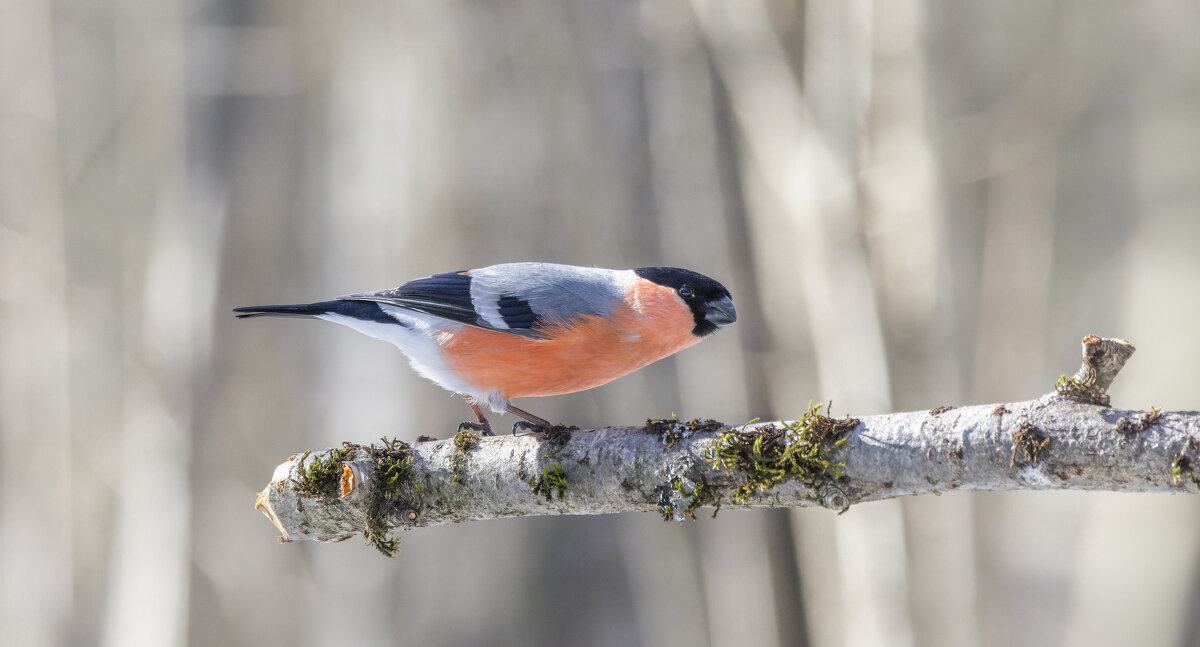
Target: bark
[1059,441]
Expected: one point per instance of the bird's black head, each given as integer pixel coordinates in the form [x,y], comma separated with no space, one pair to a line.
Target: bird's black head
[710,302]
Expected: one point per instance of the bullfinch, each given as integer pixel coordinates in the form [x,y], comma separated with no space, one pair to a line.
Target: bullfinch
[520,330]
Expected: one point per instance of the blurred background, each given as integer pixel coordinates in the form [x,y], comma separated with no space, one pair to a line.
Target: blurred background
[914,204]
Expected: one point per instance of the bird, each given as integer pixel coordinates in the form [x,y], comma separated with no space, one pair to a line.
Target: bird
[530,329]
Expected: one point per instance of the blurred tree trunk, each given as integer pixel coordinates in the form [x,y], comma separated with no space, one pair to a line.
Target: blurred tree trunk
[38,558]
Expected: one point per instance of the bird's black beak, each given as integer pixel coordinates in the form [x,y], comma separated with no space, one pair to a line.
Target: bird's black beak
[720,312]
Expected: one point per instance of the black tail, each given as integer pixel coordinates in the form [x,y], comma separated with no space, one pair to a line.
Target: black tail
[297,310]
[365,310]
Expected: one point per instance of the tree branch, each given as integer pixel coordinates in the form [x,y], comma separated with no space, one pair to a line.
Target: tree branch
[1063,440]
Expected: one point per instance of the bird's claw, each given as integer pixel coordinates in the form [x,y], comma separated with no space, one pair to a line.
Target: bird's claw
[483,428]
[525,425]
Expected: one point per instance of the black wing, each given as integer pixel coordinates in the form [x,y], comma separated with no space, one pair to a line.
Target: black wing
[449,296]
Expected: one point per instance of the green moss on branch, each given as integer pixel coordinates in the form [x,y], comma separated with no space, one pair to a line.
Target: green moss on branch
[552,479]
[396,490]
[773,454]
[320,477]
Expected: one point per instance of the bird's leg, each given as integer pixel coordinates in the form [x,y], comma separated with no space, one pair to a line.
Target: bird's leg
[483,426]
[531,421]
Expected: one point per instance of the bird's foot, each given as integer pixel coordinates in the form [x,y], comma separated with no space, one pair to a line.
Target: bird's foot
[530,427]
[553,437]
[483,428]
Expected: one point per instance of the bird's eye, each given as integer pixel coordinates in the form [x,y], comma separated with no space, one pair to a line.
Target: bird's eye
[686,292]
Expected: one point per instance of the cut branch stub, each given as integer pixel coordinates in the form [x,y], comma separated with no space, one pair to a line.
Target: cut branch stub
[1103,358]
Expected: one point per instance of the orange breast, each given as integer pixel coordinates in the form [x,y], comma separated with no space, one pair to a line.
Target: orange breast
[577,355]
